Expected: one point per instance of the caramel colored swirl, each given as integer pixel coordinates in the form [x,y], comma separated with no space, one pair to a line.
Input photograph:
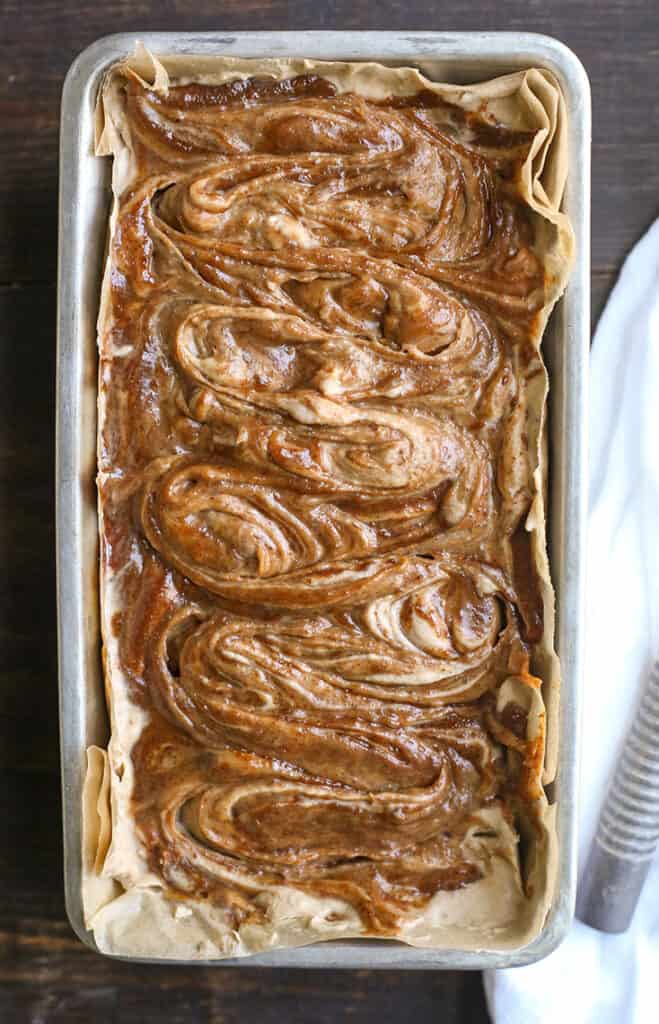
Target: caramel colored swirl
[229,824]
[434,640]
[233,350]
[313,475]
[231,528]
[400,193]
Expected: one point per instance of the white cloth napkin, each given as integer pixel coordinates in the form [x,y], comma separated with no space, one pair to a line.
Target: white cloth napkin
[594,978]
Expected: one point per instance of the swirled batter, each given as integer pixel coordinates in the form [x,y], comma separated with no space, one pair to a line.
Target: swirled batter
[314,477]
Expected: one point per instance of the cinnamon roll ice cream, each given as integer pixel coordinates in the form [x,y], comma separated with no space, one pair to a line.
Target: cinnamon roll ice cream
[326,607]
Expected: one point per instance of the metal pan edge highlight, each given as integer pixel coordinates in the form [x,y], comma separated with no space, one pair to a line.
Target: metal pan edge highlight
[83,206]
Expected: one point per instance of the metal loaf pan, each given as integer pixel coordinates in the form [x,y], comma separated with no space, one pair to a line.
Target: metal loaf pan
[83,212]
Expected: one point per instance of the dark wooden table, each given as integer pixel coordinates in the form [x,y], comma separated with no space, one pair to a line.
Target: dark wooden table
[46,975]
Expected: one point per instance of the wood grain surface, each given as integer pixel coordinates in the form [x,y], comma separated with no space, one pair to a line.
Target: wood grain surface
[46,975]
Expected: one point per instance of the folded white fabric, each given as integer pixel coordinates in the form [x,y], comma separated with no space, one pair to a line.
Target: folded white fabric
[594,978]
